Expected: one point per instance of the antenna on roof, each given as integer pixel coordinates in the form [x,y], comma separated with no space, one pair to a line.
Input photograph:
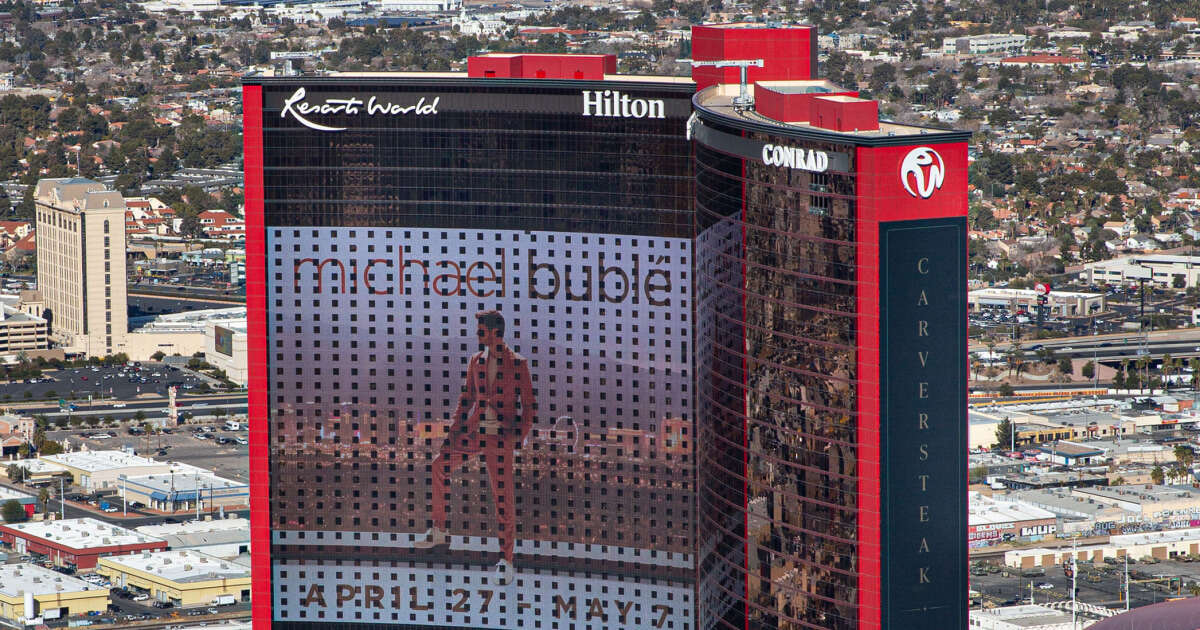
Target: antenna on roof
[743,100]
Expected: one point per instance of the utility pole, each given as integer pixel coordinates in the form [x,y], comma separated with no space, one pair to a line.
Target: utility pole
[1074,576]
[1126,580]
[62,500]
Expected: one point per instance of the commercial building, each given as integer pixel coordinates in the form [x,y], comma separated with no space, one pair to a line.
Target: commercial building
[1163,270]
[81,264]
[75,542]
[1058,303]
[225,538]
[181,334]
[994,520]
[1025,617]
[829,259]
[98,470]
[225,348]
[42,473]
[31,594]
[1160,545]
[993,43]
[178,490]
[20,331]
[515,331]
[179,577]
[1174,506]
[27,502]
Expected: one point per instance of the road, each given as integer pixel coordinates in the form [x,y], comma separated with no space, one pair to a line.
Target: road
[1117,347]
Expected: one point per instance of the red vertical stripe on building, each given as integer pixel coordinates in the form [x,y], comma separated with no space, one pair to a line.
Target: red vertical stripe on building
[256,315]
[867,293]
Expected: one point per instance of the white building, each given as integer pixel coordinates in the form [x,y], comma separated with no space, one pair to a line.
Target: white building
[225,348]
[178,333]
[417,6]
[1005,43]
[225,538]
[1026,617]
[179,490]
[1062,303]
[1162,270]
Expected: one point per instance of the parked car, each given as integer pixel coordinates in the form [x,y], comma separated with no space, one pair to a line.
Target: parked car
[140,597]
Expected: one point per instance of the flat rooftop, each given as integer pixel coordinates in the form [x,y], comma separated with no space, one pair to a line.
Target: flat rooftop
[195,527]
[39,466]
[98,461]
[986,510]
[1142,494]
[80,533]
[180,566]
[719,99]
[18,579]
[7,494]
[182,482]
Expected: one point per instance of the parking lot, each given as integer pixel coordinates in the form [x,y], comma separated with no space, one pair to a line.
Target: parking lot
[107,383]
[1100,584]
[230,460]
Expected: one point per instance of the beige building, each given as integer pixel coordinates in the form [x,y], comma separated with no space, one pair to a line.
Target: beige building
[181,577]
[52,594]
[81,264]
[97,470]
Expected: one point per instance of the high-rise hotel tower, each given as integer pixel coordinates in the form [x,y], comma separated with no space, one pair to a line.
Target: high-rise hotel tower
[544,346]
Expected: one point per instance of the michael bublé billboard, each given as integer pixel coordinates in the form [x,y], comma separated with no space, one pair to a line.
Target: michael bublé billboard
[494,425]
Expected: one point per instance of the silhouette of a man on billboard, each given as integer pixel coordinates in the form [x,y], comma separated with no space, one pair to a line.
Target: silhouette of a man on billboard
[494,414]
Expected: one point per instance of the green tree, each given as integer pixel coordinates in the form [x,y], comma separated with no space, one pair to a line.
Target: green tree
[1005,389]
[1004,433]
[44,497]
[1065,366]
[1184,455]
[12,511]
[1157,475]
[1088,370]
[15,473]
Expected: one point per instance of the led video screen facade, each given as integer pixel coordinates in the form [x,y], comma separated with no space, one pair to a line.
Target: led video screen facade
[476,353]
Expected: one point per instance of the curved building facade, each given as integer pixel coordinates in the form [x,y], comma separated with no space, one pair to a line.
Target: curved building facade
[830,266]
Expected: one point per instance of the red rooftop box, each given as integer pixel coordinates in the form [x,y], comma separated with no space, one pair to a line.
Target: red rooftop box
[788,52]
[845,113]
[533,66]
[792,101]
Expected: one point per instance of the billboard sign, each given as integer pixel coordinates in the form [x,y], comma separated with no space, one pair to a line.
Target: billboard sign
[502,417]
[223,340]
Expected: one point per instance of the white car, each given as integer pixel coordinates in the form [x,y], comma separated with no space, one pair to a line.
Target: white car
[101,436]
[241,440]
[118,405]
[140,597]
[1045,586]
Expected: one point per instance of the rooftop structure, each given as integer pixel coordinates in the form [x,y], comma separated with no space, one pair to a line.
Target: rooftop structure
[179,577]
[180,566]
[75,542]
[29,593]
[177,490]
[1025,617]
[225,538]
[18,579]
[988,510]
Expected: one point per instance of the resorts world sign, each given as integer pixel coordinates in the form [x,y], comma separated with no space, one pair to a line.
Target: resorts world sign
[298,108]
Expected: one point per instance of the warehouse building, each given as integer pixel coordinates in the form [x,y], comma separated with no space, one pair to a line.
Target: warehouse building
[1159,545]
[178,577]
[225,538]
[76,542]
[97,470]
[51,594]
[40,472]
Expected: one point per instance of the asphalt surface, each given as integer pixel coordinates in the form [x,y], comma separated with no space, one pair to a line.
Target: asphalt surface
[226,460]
[1101,584]
[120,383]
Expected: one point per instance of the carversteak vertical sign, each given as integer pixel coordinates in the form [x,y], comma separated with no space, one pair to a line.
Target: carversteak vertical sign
[923,423]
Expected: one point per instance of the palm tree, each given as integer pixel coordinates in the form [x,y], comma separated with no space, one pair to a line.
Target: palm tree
[44,498]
